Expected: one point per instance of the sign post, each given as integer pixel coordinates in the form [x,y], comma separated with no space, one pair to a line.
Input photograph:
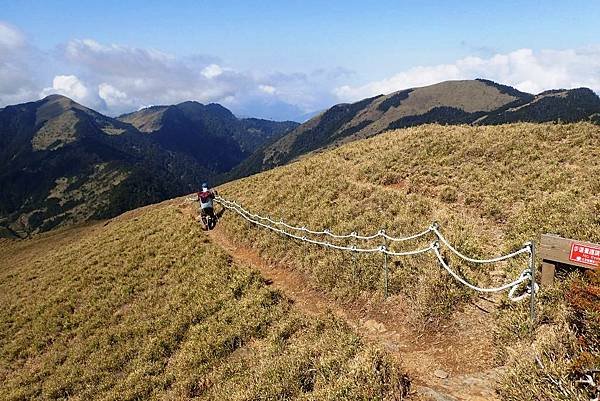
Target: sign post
[587,255]
[555,249]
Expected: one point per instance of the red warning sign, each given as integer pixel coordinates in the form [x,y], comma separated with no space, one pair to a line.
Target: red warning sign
[588,255]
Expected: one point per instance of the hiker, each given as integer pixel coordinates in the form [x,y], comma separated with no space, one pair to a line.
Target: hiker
[205,197]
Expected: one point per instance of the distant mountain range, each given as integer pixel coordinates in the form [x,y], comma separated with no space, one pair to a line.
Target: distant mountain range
[211,134]
[61,162]
[453,102]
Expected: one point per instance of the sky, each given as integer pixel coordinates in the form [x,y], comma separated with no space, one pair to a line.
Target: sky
[286,59]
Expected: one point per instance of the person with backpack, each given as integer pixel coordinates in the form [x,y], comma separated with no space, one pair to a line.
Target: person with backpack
[206,197]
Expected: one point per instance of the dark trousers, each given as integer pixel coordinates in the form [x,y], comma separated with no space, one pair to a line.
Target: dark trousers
[208,211]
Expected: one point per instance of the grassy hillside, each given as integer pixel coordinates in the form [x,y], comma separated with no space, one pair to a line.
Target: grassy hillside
[491,188]
[62,163]
[457,101]
[477,102]
[145,307]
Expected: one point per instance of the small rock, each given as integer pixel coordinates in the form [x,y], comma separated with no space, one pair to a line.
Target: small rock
[440,373]
[433,394]
[372,325]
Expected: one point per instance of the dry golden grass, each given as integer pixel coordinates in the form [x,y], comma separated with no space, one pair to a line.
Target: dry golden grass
[148,120]
[468,95]
[491,188]
[147,308]
[56,133]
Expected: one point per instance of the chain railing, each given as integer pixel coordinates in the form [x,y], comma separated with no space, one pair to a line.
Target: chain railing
[300,234]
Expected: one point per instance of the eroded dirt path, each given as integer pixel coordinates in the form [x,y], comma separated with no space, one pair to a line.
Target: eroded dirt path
[452,364]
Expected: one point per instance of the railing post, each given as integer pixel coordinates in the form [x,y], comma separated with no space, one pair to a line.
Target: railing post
[532,267]
[354,265]
[385,266]
[353,254]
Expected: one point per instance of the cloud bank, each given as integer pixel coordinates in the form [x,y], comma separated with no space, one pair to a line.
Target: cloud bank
[525,69]
[115,79]
[16,59]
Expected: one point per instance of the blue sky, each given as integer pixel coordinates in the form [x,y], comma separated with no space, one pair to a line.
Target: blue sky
[278,59]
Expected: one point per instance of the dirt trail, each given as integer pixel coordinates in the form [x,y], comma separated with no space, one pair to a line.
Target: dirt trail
[452,364]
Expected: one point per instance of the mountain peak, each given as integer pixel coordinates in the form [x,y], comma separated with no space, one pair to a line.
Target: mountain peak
[476,102]
[61,100]
[55,96]
[191,103]
[53,106]
[195,110]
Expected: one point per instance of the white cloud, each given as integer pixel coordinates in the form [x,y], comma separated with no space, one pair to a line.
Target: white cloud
[525,69]
[113,97]
[148,76]
[267,89]
[117,59]
[10,37]
[17,83]
[70,86]
[212,71]
[128,77]
[115,79]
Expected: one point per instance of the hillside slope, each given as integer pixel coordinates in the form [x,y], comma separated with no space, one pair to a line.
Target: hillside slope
[491,188]
[453,102]
[61,162]
[145,307]
[210,133]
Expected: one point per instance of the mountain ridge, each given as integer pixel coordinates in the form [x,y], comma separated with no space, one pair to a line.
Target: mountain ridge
[63,163]
[476,102]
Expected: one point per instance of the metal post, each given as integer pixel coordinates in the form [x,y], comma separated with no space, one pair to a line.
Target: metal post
[533,271]
[385,266]
[354,267]
[354,257]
